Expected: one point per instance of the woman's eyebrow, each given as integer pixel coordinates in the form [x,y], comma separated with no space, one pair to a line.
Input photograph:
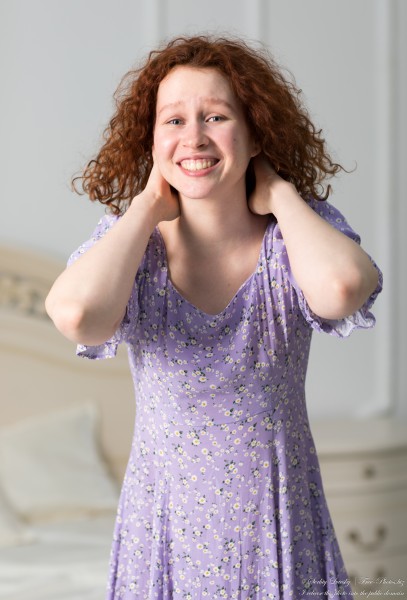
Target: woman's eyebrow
[208,100]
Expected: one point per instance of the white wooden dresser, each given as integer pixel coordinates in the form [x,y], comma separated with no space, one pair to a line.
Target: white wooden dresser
[364,473]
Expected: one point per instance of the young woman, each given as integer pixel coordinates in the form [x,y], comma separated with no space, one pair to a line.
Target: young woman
[218,258]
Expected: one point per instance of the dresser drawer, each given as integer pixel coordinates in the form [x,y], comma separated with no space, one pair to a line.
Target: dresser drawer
[379,578]
[344,475]
[370,526]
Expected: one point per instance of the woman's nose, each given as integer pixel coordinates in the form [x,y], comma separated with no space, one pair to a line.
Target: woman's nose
[195,136]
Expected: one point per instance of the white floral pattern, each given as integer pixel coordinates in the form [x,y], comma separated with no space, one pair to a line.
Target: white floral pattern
[222,496]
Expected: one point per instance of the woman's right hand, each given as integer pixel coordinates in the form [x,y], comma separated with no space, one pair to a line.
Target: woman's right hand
[163,198]
[88,300]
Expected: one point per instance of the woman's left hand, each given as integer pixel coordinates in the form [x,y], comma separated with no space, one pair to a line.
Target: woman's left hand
[334,273]
[268,185]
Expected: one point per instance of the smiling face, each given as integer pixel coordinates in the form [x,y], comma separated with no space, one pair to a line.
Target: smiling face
[201,140]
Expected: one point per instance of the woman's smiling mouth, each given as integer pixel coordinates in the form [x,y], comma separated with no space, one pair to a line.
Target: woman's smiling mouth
[198,165]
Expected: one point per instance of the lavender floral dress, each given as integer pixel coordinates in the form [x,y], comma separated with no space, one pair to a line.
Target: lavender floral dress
[222,497]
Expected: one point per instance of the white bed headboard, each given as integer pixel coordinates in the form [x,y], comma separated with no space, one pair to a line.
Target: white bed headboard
[39,369]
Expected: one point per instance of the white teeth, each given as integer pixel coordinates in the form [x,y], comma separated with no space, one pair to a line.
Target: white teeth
[198,165]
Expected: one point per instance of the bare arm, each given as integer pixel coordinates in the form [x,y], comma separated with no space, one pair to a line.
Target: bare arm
[333,271]
[88,300]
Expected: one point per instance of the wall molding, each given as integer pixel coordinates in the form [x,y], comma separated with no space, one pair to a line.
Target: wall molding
[386,198]
[153,15]
[399,209]
[256,19]
[391,60]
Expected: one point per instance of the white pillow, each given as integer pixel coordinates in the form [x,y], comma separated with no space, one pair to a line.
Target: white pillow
[12,530]
[50,466]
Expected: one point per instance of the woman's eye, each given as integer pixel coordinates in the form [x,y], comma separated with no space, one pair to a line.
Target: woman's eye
[174,122]
[215,118]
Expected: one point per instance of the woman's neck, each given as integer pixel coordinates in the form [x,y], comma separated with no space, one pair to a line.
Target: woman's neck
[205,224]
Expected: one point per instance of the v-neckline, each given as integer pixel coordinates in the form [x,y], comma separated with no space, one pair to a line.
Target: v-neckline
[237,293]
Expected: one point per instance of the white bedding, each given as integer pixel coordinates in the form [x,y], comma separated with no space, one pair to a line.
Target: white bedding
[64,445]
[65,561]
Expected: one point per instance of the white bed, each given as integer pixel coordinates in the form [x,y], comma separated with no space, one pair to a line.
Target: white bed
[65,434]
[66,560]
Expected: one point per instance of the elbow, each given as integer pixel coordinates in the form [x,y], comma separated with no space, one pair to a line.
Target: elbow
[68,317]
[343,296]
[347,297]
[78,324]
[355,291]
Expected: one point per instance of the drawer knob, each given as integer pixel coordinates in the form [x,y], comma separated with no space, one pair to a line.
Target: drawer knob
[368,546]
[369,472]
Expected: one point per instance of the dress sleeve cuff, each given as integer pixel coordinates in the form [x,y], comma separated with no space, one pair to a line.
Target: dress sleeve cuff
[361,319]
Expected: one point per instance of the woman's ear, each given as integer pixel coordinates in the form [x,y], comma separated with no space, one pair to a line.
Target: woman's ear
[256,149]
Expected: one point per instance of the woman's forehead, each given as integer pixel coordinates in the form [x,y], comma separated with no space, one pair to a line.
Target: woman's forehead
[205,84]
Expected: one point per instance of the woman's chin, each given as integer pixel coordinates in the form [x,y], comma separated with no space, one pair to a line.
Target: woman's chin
[191,194]
[198,191]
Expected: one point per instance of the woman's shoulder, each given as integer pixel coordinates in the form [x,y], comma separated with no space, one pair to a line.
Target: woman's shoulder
[327,211]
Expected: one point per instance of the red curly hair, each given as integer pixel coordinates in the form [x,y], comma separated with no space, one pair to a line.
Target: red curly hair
[271,102]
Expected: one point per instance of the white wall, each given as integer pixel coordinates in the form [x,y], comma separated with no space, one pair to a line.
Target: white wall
[61,61]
